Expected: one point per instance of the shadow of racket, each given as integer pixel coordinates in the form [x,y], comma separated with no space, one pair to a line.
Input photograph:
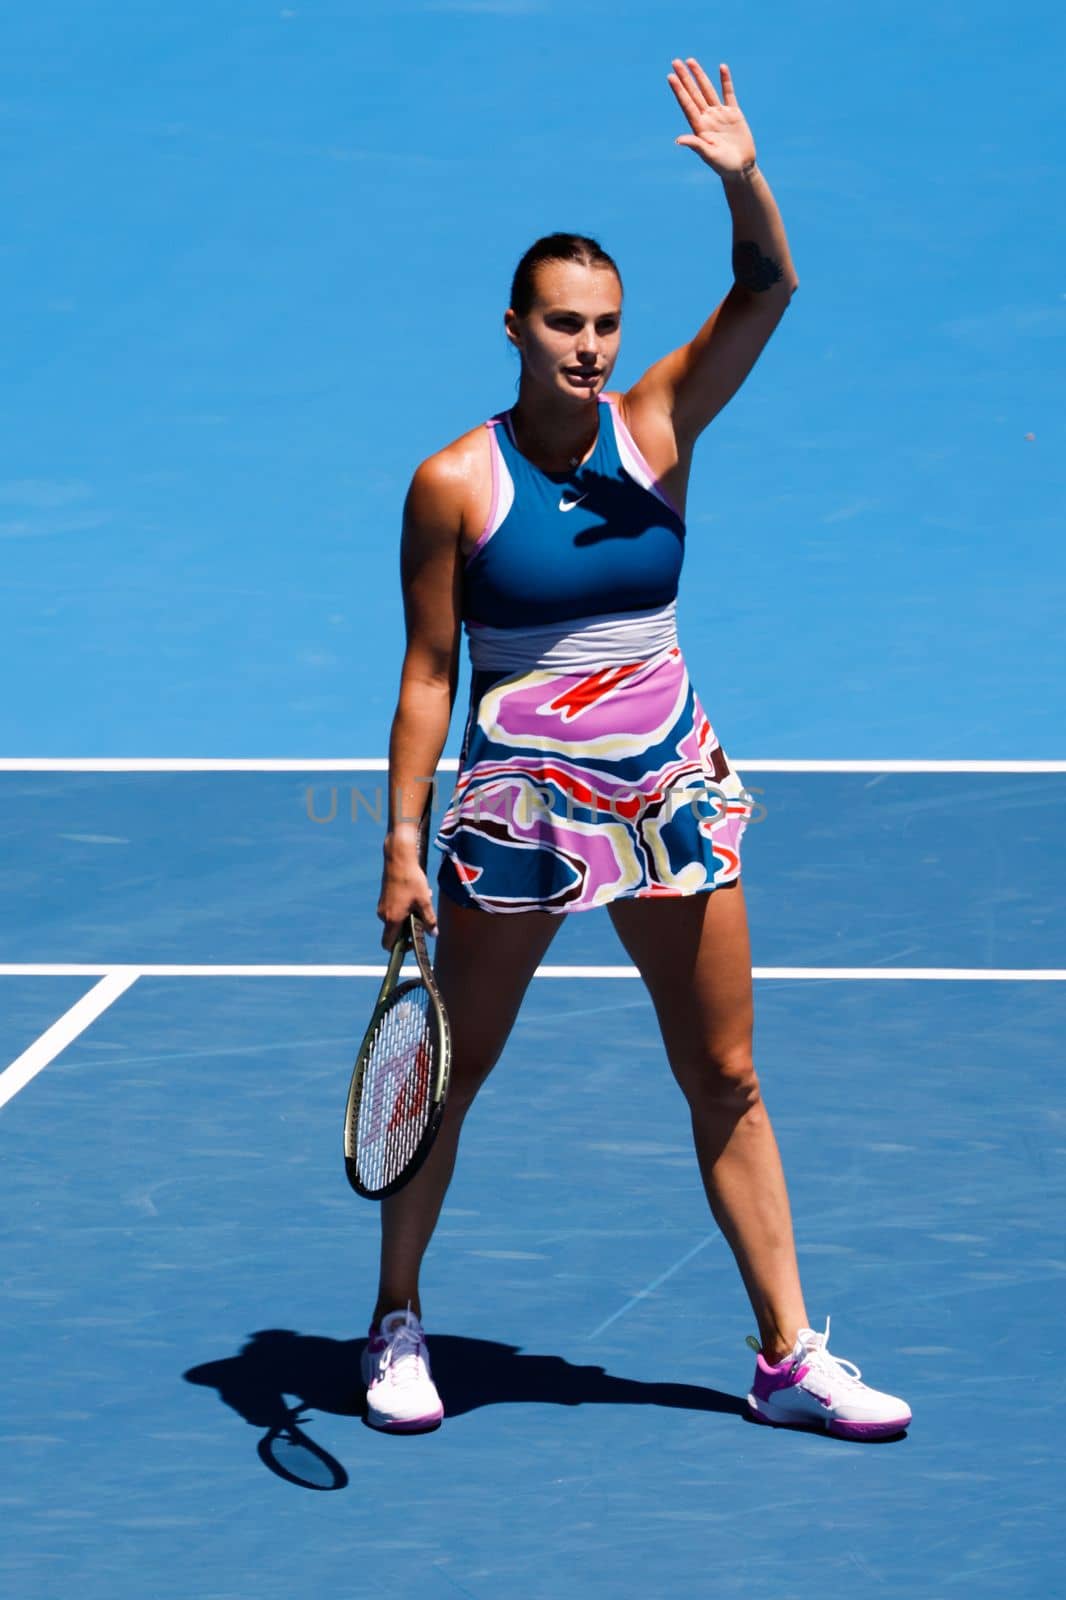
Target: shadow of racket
[288,1452]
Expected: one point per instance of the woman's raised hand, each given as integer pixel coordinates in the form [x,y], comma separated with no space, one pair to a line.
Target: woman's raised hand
[720,136]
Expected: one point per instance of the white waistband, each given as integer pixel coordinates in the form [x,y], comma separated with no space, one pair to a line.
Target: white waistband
[578,645]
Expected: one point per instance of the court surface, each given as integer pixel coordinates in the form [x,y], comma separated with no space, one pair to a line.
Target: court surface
[186,1272]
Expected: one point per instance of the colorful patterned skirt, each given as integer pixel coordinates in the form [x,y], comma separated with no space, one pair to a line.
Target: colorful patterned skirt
[580,787]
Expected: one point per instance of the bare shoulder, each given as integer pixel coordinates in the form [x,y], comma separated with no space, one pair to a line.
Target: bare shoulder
[438,510]
[452,489]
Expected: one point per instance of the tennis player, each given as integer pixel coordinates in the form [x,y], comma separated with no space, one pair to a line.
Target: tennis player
[590,774]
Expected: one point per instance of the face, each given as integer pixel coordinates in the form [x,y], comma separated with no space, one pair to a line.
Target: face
[569,341]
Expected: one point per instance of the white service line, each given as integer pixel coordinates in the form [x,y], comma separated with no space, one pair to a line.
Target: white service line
[378,764]
[73,1022]
[115,980]
[816,974]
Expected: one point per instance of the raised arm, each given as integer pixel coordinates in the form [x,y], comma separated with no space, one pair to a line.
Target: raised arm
[692,384]
[431,575]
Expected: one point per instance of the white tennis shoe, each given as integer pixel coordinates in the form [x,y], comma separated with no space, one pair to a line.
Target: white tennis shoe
[400,1393]
[813,1389]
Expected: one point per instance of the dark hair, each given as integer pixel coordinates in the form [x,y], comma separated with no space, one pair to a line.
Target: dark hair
[554,247]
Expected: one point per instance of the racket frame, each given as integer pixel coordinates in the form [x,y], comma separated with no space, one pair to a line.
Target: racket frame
[412,937]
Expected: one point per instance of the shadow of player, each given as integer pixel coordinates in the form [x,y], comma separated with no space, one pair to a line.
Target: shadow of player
[323,1375]
[611,498]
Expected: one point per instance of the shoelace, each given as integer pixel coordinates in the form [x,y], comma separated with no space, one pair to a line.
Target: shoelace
[836,1368]
[405,1341]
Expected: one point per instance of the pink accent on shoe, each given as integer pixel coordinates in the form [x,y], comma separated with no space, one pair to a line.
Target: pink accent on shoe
[414,1425]
[769,1379]
[869,1430]
[833,1425]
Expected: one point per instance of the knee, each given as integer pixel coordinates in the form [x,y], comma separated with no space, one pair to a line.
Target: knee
[468,1073]
[725,1080]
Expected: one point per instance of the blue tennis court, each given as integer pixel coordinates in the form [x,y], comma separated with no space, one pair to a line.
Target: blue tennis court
[188,1274]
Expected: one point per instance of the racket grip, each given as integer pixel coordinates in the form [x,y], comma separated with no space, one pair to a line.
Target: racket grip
[423,827]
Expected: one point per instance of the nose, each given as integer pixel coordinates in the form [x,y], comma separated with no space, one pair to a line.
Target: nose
[588,347]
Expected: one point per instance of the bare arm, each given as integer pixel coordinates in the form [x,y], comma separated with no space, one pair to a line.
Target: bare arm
[431,575]
[692,384]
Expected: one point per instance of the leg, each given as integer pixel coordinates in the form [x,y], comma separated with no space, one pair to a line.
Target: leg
[483,965]
[694,956]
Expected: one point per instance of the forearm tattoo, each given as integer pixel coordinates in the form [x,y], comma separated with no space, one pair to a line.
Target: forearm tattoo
[752,269]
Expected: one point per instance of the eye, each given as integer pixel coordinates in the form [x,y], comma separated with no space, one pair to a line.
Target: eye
[604,325]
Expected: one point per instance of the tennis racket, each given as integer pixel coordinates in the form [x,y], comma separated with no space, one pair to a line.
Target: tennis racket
[396,1098]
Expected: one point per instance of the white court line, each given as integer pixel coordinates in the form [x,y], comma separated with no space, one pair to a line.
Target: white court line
[450,764]
[841,974]
[650,1288]
[73,1022]
[116,979]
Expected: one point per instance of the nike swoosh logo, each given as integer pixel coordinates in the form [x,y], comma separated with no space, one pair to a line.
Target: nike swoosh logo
[568,505]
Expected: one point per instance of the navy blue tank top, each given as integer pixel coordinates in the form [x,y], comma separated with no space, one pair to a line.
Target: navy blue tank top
[601,538]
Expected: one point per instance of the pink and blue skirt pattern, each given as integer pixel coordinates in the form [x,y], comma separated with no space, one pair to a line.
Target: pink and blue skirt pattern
[581,787]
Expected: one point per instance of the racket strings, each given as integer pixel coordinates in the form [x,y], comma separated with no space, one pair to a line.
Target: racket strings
[396,1093]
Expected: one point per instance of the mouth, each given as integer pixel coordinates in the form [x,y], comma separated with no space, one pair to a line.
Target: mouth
[581,376]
